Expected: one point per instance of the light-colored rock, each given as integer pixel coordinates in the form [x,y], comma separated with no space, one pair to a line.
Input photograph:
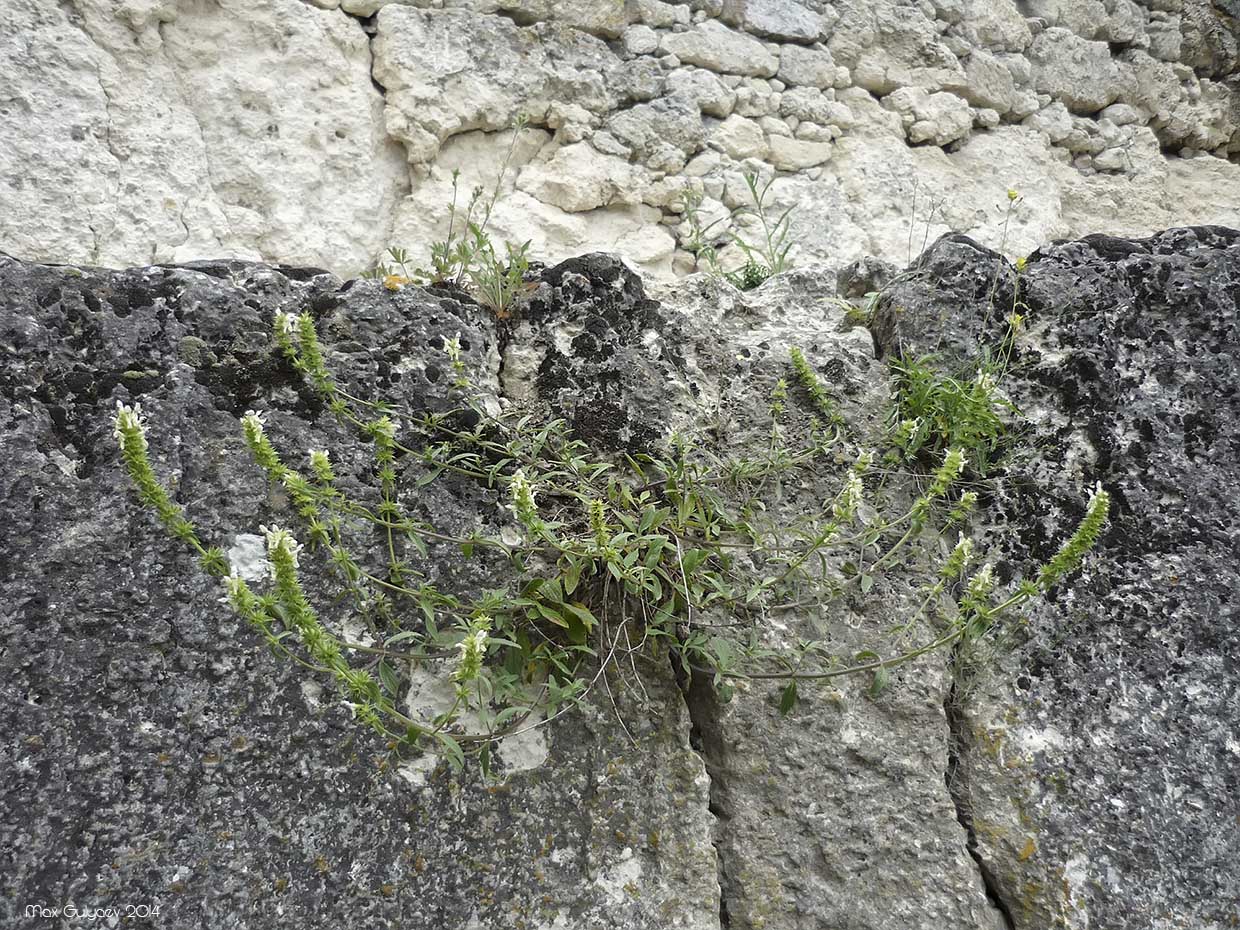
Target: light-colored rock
[885,46]
[988,83]
[600,17]
[1121,114]
[809,67]
[783,20]
[1081,73]
[170,116]
[659,14]
[578,178]
[997,24]
[703,89]
[1054,120]
[428,62]
[789,154]
[774,126]
[938,118]
[640,40]
[151,136]
[714,46]
[739,137]
[663,134]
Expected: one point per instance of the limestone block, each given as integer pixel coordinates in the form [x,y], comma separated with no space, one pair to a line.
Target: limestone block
[640,40]
[451,71]
[579,178]
[937,118]
[809,67]
[659,14]
[663,134]
[740,138]
[1080,73]
[703,89]
[714,46]
[988,82]
[150,133]
[886,46]
[1054,120]
[789,154]
[782,20]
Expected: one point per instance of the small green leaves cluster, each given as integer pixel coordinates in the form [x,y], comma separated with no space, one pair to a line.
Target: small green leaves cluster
[934,411]
[613,567]
[766,256]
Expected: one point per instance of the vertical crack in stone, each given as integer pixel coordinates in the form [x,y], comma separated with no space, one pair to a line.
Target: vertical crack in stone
[706,739]
[370,27]
[960,788]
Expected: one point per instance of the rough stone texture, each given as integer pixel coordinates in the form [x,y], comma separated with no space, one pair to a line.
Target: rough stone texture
[1099,762]
[154,755]
[162,130]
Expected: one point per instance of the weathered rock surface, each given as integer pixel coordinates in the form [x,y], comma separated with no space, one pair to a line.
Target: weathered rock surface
[155,755]
[1098,764]
[321,132]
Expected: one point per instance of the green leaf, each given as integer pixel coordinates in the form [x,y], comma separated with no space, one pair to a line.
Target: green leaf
[693,558]
[452,751]
[467,549]
[882,678]
[867,582]
[581,612]
[571,577]
[484,761]
[789,698]
[387,675]
[401,637]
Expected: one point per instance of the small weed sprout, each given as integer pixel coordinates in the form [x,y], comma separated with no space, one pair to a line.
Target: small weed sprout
[468,254]
[763,258]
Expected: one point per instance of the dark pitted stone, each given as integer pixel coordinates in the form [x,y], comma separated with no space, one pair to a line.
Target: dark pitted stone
[1102,765]
[154,755]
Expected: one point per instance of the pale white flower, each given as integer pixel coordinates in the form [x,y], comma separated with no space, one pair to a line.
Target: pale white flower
[281,539]
[253,423]
[954,462]
[849,498]
[129,419]
[286,323]
[982,583]
[234,586]
[453,348]
[522,493]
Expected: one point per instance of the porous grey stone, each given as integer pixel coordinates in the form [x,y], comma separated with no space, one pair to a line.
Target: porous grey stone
[153,754]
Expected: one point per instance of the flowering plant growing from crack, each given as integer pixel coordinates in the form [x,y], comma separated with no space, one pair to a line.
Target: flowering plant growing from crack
[613,567]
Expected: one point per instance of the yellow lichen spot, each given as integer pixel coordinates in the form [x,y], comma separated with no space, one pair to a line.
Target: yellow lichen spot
[394,282]
[419,864]
[1029,849]
[281,884]
[321,864]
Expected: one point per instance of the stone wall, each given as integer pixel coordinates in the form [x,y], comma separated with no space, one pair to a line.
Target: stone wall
[320,132]
[154,753]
